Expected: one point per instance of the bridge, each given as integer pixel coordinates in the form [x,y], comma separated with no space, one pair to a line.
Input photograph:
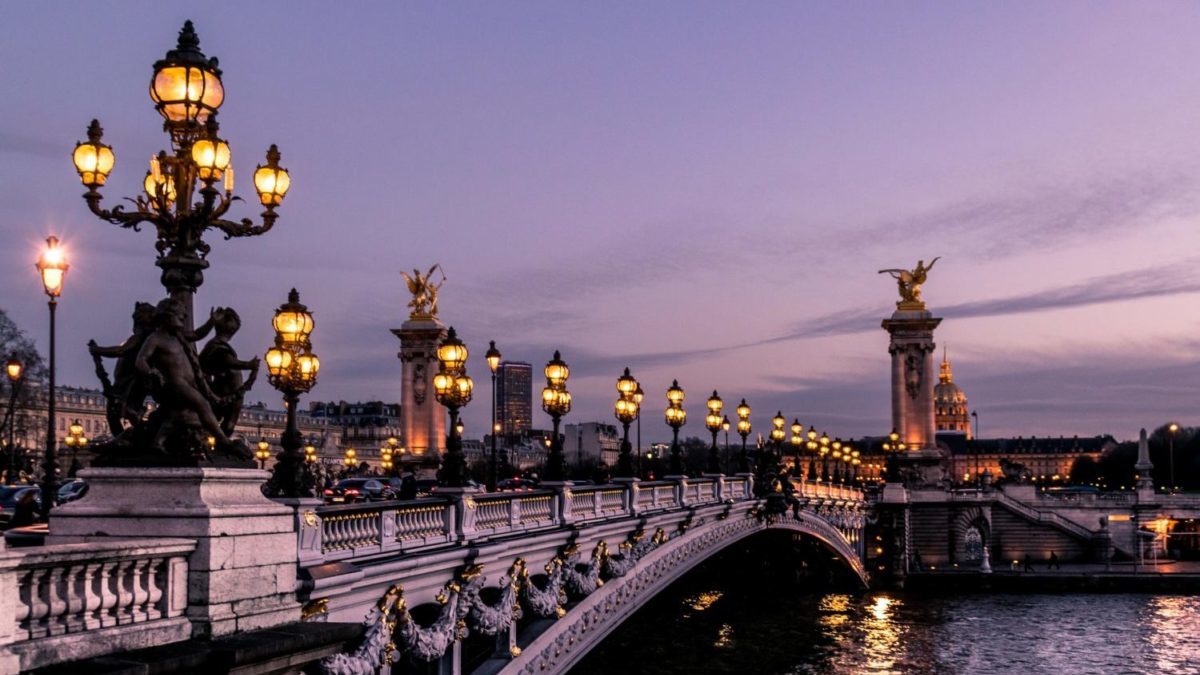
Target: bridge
[541,576]
[579,560]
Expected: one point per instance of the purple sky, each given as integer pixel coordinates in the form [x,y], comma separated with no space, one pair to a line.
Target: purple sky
[702,191]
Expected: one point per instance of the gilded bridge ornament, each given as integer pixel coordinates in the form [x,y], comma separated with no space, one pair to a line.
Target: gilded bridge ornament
[424,292]
[909,283]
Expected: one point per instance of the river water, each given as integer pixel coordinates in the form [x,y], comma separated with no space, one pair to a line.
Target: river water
[733,618]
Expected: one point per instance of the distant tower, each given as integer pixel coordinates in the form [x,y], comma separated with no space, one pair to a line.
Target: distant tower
[951,413]
[514,397]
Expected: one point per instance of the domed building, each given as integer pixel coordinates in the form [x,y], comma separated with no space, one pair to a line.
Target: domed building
[950,403]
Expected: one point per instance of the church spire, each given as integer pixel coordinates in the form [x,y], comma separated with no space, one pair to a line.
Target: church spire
[946,376]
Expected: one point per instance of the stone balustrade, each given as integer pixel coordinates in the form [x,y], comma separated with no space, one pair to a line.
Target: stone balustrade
[71,601]
[369,530]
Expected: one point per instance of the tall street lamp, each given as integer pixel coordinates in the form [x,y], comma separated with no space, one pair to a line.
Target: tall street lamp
[626,411]
[75,440]
[743,428]
[797,441]
[823,450]
[778,435]
[292,369]
[638,395]
[810,444]
[452,387]
[15,370]
[350,458]
[262,454]
[725,427]
[556,401]
[1171,431]
[52,266]
[713,422]
[187,91]
[388,455]
[676,417]
[493,360]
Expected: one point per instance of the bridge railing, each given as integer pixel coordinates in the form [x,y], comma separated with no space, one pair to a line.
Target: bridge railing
[51,595]
[373,529]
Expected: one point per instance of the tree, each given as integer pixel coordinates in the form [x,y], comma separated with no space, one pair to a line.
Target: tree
[1085,471]
[14,342]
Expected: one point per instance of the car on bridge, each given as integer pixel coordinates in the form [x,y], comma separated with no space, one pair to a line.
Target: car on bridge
[10,495]
[354,490]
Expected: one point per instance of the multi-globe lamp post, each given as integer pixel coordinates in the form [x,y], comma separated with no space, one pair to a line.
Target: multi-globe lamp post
[262,454]
[676,417]
[493,360]
[452,387]
[626,410]
[388,454]
[744,428]
[350,458]
[187,91]
[797,440]
[810,444]
[556,401]
[713,421]
[823,451]
[52,266]
[14,369]
[292,369]
[778,436]
[892,447]
[75,440]
[638,396]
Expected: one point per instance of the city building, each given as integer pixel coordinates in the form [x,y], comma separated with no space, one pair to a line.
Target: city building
[1044,460]
[365,426]
[591,441]
[951,414]
[514,398]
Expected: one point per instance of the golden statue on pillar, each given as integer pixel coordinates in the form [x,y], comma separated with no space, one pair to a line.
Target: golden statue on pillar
[424,292]
[910,282]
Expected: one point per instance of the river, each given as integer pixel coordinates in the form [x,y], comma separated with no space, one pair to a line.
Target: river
[730,616]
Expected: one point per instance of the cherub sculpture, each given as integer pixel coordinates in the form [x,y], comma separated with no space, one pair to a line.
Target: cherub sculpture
[126,394]
[223,369]
[424,292]
[909,281]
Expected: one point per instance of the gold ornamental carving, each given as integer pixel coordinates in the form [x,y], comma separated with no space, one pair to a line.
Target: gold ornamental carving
[424,292]
[909,283]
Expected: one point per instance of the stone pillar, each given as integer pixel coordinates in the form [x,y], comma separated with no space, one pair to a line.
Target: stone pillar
[422,418]
[913,413]
[1143,468]
[242,574]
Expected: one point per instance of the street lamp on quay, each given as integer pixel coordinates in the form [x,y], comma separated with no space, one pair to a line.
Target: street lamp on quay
[262,454]
[292,369]
[797,440]
[743,428]
[350,458]
[556,401]
[892,447]
[187,91]
[714,421]
[1172,429]
[823,450]
[452,387]
[778,435]
[810,444]
[75,440]
[676,417]
[387,454]
[15,370]
[52,266]
[493,360]
[626,410]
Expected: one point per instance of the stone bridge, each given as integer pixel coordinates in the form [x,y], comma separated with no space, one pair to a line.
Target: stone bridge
[576,561]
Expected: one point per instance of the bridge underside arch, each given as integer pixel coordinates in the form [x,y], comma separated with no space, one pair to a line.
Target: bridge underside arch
[597,615]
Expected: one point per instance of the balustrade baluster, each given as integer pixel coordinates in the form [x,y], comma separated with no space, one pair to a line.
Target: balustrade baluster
[141,593]
[156,574]
[124,586]
[76,593]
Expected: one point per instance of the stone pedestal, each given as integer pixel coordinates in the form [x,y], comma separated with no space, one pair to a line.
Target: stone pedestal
[242,574]
[913,411]
[422,418]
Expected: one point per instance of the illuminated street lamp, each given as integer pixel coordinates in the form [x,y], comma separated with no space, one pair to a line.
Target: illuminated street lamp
[743,429]
[350,458]
[823,450]
[262,454]
[190,188]
[714,421]
[773,455]
[797,440]
[1172,429]
[810,444]
[638,396]
[52,267]
[387,454]
[310,454]
[452,387]
[676,417]
[493,360]
[725,425]
[75,440]
[556,401]
[626,410]
[292,369]
[15,370]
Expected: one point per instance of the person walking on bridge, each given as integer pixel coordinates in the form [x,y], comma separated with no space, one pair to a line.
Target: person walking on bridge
[1053,562]
[1028,563]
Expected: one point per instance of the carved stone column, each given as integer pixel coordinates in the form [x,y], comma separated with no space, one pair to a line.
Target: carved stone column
[422,418]
[913,413]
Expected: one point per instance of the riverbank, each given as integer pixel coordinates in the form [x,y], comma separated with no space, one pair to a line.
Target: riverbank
[1163,577]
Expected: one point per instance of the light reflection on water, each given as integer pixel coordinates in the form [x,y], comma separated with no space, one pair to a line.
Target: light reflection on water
[973,634]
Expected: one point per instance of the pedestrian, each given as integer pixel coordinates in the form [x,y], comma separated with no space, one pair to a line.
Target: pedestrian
[408,487]
[1028,563]
[1053,562]
[25,511]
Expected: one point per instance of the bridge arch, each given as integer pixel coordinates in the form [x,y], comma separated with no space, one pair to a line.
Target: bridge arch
[597,615]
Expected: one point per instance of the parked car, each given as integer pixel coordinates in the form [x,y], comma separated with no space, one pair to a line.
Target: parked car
[72,490]
[11,495]
[515,485]
[354,490]
[426,487]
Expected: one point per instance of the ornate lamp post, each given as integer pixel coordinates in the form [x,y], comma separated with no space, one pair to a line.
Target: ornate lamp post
[810,444]
[453,388]
[292,369]
[556,401]
[1172,429]
[15,370]
[713,421]
[823,450]
[75,440]
[797,440]
[892,447]
[493,360]
[387,455]
[725,424]
[743,428]
[638,395]
[778,436]
[836,456]
[676,417]
[310,454]
[350,458]
[262,454]
[52,266]
[626,410]
[187,91]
